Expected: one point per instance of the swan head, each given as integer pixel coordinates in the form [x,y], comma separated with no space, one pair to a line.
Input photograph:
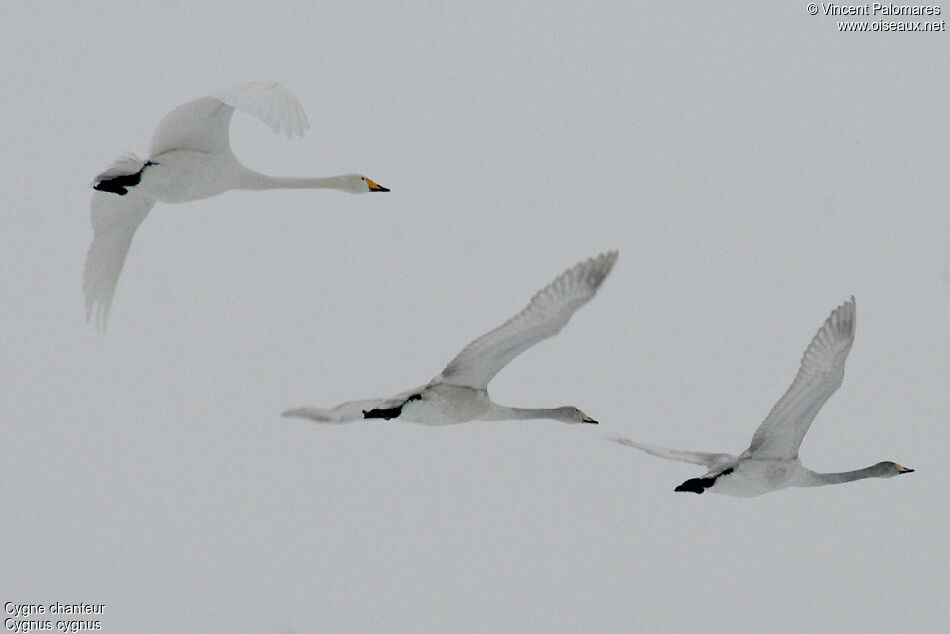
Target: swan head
[359,184]
[571,414]
[889,469]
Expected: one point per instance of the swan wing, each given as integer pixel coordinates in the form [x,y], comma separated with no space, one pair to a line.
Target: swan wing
[350,410]
[114,221]
[708,460]
[820,375]
[202,125]
[342,413]
[547,313]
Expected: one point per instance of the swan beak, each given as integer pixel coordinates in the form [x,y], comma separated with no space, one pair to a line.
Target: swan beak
[587,419]
[374,187]
[901,469]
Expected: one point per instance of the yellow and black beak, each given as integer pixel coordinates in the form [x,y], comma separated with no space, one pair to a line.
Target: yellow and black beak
[587,419]
[901,469]
[374,187]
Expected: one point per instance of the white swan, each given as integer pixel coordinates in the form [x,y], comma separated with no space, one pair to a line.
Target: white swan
[190,158]
[459,394]
[771,461]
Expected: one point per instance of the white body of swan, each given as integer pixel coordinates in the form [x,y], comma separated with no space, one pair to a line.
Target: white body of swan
[459,394]
[771,461]
[190,158]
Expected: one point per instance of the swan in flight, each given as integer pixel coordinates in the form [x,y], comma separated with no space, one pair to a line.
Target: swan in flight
[190,158]
[771,461]
[459,394]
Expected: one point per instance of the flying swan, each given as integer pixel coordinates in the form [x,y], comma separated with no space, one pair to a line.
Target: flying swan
[459,394]
[190,158]
[771,461]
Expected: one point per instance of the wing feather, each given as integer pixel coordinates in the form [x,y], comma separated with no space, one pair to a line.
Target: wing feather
[820,375]
[271,103]
[342,413]
[350,410]
[708,460]
[203,125]
[547,313]
[114,221]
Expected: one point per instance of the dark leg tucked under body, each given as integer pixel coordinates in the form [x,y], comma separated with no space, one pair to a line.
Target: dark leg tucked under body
[120,184]
[698,485]
[388,413]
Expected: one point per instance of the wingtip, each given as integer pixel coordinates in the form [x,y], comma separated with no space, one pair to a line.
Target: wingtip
[845,314]
[270,102]
[597,268]
[97,315]
[607,257]
[620,440]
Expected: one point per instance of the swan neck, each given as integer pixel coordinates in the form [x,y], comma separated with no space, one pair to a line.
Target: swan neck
[820,479]
[501,412]
[255,180]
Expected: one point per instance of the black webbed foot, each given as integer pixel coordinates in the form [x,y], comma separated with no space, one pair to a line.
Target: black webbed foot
[388,413]
[698,485]
[695,485]
[120,184]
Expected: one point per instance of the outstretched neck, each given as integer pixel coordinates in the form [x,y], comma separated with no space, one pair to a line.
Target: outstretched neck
[813,479]
[255,180]
[501,412]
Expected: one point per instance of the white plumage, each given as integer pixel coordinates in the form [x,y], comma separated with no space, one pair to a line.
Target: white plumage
[771,461]
[459,393]
[190,158]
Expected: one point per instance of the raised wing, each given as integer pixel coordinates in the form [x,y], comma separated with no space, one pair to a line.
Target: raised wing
[203,125]
[114,221]
[708,460]
[549,310]
[822,370]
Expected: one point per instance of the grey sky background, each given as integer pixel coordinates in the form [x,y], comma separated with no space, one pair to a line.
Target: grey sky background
[754,166]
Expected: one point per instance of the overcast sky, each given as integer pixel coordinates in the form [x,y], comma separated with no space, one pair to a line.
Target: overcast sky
[754,166]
